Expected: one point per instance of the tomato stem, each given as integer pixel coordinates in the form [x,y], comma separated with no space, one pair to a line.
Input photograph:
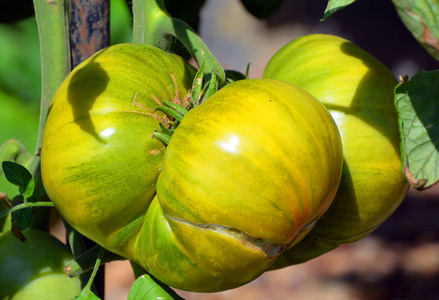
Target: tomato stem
[25,205]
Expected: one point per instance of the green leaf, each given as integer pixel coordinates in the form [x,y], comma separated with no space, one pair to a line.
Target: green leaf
[334,6]
[20,176]
[421,17]
[87,295]
[417,103]
[147,287]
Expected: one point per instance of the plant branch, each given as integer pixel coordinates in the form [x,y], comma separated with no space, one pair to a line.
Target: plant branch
[154,26]
[53,31]
[25,205]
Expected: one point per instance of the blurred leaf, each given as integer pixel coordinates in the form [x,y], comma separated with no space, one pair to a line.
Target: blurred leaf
[18,122]
[12,150]
[121,24]
[421,17]
[20,72]
[147,287]
[334,6]
[417,103]
[262,8]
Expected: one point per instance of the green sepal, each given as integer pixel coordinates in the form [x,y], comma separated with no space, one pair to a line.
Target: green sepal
[212,87]
[164,138]
[174,106]
[166,130]
[170,112]
[247,71]
[197,85]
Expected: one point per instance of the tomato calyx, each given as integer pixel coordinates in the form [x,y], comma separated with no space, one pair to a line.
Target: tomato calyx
[176,109]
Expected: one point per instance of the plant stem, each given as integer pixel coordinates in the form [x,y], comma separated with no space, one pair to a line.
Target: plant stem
[25,205]
[53,31]
[154,26]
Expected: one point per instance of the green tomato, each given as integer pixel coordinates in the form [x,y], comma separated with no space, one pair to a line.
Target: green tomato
[99,160]
[245,176]
[358,91]
[34,269]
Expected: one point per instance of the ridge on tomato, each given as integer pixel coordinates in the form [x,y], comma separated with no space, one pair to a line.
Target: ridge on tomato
[99,160]
[245,176]
[357,89]
[34,269]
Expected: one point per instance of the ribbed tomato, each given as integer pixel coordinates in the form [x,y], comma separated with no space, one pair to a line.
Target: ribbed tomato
[358,91]
[245,176]
[99,160]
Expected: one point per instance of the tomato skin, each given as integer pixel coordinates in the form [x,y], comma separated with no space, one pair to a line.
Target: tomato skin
[245,176]
[34,269]
[99,160]
[358,91]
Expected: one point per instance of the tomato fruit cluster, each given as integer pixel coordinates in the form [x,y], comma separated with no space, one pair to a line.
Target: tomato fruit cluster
[245,176]
[34,269]
[250,179]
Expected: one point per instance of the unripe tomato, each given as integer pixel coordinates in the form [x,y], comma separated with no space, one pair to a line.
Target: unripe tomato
[358,91]
[245,176]
[34,269]
[99,160]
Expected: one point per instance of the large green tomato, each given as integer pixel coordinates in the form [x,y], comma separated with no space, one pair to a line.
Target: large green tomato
[34,269]
[245,176]
[99,160]
[358,91]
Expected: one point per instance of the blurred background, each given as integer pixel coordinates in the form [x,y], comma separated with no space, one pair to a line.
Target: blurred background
[399,261]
